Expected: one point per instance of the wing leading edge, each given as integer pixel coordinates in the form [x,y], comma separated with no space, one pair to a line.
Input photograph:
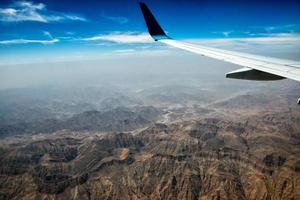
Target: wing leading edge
[257,67]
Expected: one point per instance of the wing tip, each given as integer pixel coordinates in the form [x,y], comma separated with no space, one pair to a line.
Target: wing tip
[154,29]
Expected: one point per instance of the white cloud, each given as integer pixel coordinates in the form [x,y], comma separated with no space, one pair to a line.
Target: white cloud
[29,11]
[24,41]
[48,34]
[127,38]
[142,53]
[274,38]
[119,20]
[125,50]
[278,38]
[275,28]
[74,18]
[226,33]
[8,11]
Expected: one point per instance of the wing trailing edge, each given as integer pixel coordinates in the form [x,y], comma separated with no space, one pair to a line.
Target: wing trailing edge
[252,74]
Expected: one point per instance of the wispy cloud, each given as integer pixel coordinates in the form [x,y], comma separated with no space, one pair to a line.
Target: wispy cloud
[48,34]
[125,51]
[142,52]
[116,19]
[224,33]
[276,28]
[25,41]
[267,40]
[118,37]
[30,11]
[274,38]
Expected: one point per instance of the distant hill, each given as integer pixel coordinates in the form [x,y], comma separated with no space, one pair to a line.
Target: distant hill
[116,120]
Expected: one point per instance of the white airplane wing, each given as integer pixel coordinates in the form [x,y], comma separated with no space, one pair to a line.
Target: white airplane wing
[255,67]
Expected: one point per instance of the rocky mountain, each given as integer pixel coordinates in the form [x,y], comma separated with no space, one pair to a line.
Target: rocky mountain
[115,120]
[207,158]
[244,146]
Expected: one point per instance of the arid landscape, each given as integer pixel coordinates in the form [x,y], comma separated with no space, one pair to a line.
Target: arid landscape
[129,100]
[162,142]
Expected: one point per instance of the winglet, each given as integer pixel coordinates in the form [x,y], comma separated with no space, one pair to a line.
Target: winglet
[155,30]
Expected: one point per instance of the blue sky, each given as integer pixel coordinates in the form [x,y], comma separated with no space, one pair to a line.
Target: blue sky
[49,31]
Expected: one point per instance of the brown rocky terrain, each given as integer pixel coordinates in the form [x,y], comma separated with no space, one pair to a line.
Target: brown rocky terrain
[218,152]
[199,142]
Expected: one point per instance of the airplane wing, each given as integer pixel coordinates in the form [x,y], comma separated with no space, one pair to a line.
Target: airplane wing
[255,67]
